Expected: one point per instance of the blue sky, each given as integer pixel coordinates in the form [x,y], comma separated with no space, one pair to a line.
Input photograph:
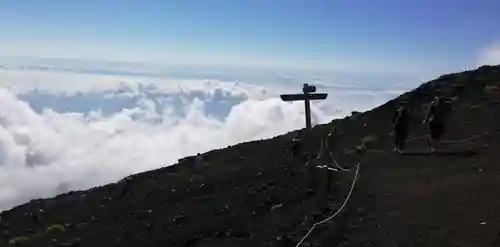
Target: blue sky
[385,35]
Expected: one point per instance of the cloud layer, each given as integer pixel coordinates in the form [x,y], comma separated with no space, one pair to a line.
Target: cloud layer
[62,131]
[490,55]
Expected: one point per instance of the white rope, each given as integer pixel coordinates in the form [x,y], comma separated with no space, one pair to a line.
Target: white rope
[463,140]
[456,141]
[327,168]
[324,143]
[336,164]
[446,141]
[307,234]
[346,200]
[338,210]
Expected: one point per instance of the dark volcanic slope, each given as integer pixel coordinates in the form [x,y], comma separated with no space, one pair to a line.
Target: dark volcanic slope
[250,194]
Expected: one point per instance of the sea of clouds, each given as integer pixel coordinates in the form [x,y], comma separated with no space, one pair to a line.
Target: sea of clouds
[63,129]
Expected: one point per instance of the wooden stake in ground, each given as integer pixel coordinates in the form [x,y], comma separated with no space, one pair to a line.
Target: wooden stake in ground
[306,95]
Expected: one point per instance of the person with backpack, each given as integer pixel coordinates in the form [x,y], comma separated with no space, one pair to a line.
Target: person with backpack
[302,158]
[293,153]
[400,123]
[198,161]
[435,118]
[296,146]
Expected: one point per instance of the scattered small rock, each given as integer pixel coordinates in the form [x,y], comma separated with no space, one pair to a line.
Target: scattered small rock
[276,207]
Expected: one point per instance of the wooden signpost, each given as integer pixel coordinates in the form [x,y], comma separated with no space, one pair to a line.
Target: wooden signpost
[306,95]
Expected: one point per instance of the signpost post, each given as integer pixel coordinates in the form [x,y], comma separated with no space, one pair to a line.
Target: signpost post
[306,95]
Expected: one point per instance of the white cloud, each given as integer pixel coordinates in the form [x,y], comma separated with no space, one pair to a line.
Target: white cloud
[489,55]
[358,62]
[82,130]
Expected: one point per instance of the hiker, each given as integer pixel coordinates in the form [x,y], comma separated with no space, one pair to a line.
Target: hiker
[296,146]
[435,118]
[126,182]
[311,176]
[302,158]
[305,159]
[293,155]
[198,160]
[400,122]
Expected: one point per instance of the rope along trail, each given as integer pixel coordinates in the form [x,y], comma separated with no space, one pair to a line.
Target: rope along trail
[324,145]
[449,142]
[336,212]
